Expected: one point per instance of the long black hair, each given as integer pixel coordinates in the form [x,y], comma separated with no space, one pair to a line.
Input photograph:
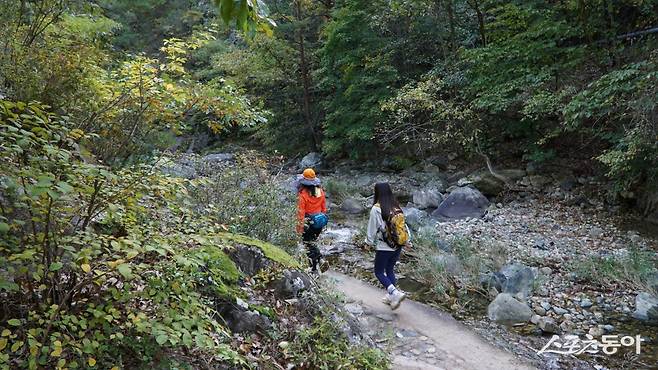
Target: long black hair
[313,190]
[387,201]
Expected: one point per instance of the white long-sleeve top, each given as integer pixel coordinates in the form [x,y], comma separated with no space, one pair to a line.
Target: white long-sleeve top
[377,229]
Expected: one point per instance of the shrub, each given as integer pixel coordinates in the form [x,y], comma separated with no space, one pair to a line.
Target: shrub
[634,269]
[100,267]
[247,202]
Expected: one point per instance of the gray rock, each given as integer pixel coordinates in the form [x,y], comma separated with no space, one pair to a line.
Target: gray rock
[352,206]
[218,158]
[461,203]
[559,310]
[596,331]
[354,308]
[518,279]
[507,310]
[240,320]
[646,308]
[291,284]
[540,311]
[492,280]
[415,217]
[184,170]
[608,328]
[586,303]
[548,325]
[488,184]
[546,270]
[538,181]
[249,260]
[311,160]
[427,198]
[596,232]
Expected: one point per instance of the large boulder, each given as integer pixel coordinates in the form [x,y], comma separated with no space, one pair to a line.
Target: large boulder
[489,184]
[506,310]
[461,203]
[291,284]
[415,217]
[646,308]
[311,160]
[427,198]
[519,279]
[352,206]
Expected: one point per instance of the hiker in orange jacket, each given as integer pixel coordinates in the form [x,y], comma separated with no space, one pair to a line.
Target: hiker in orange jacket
[311,215]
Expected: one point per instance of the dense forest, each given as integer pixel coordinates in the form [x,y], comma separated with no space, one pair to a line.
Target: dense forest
[105,259]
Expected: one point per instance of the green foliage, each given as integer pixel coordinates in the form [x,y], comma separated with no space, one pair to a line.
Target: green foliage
[626,102]
[634,268]
[356,67]
[457,274]
[323,346]
[102,267]
[251,204]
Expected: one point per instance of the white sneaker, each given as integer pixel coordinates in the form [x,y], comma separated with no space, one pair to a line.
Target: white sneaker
[396,298]
[386,299]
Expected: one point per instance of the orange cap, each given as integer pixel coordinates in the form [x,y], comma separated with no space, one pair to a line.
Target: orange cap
[309,174]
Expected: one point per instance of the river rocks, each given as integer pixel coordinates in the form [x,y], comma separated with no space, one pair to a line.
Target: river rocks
[505,309]
[428,198]
[311,160]
[646,308]
[559,310]
[352,206]
[415,217]
[461,203]
[586,303]
[519,279]
[548,325]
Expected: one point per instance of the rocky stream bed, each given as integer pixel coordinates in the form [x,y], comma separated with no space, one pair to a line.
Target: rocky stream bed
[552,240]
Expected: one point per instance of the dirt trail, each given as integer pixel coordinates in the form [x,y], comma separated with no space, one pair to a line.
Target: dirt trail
[424,337]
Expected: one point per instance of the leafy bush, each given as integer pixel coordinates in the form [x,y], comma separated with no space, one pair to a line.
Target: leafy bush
[100,267]
[323,346]
[248,202]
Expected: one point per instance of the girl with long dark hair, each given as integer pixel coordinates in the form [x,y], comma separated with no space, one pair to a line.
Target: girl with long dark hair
[385,205]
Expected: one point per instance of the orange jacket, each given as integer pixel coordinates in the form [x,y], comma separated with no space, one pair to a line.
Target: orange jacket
[308,204]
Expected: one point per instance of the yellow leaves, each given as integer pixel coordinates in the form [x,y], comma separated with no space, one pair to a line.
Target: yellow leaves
[91,361]
[76,134]
[85,267]
[6,333]
[114,264]
[3,343]
[58,349]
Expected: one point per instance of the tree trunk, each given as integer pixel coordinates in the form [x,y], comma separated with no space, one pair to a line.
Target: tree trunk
[306,80]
